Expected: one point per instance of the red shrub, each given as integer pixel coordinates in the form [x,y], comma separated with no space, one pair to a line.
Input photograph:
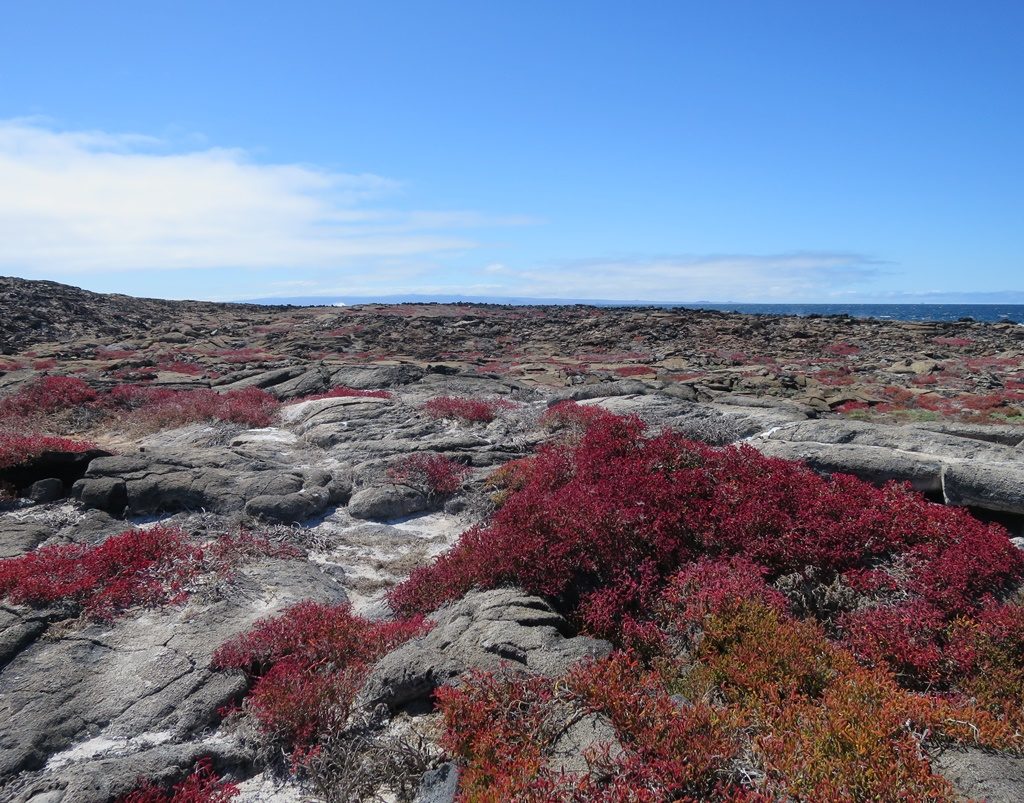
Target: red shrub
[463,409]
[162,407]
[714,587]
[16,450]
[202,786]
[635,370]
[136,568]
[179,367]
[43,365]
[904,638]
[953,341]
[49,394]
[572,416]
[616,514]
[436,473]
[308,664]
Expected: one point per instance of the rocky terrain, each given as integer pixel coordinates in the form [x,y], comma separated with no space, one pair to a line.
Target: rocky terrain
[321,455]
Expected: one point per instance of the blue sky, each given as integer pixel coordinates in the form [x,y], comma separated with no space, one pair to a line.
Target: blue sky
[671,151]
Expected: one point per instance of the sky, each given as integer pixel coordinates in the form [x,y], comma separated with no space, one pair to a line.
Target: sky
[761,150]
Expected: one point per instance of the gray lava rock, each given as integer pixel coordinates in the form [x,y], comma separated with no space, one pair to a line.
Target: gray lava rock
[439,785]
[588,732]
[145,675]
[993,486]
[387,502]
[19,537]
[48,490]
[221,480]
[876,465]
[486,630]
[109,494]
[981,775]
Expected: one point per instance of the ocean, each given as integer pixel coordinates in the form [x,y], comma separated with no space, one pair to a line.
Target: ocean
[990,313]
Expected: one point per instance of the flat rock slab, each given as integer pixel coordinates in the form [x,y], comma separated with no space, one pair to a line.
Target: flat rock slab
[82,693]
[962,464]
[981,775]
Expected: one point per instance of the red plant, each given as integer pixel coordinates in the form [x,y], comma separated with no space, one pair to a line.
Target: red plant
[842,349]
[635,370]
[15,450]
[202,786]
[179,367]
[469,410]
[438,474]
[162,407]
[572,416]
[603,523]
[136,568]
[43,365]
[307,666]
[49,394]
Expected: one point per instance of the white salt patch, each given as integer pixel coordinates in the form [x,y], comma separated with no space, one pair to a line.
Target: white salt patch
[100,746]
[263,788]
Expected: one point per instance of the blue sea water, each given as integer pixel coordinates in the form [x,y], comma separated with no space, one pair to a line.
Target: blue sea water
[990,313]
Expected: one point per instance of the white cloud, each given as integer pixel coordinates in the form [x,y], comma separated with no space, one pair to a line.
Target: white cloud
[723,277]
[76,202]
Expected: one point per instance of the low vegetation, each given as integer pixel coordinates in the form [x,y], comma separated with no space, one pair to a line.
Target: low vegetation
[137,568]
[203,785]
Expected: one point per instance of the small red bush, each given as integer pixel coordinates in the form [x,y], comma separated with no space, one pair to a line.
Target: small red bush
[436,473]
[49,394]
[16,450]
[307,666]
[202,786]
[463,409]
[179,367]
[162,407]
[572,416]
[634,370]
[136,568]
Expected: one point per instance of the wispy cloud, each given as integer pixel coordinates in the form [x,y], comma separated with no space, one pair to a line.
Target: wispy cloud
[725,277]
[75,202]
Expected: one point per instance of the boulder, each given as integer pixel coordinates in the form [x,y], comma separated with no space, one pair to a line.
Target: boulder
[487,630]
[439,785]
[48,490]
[387,502]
